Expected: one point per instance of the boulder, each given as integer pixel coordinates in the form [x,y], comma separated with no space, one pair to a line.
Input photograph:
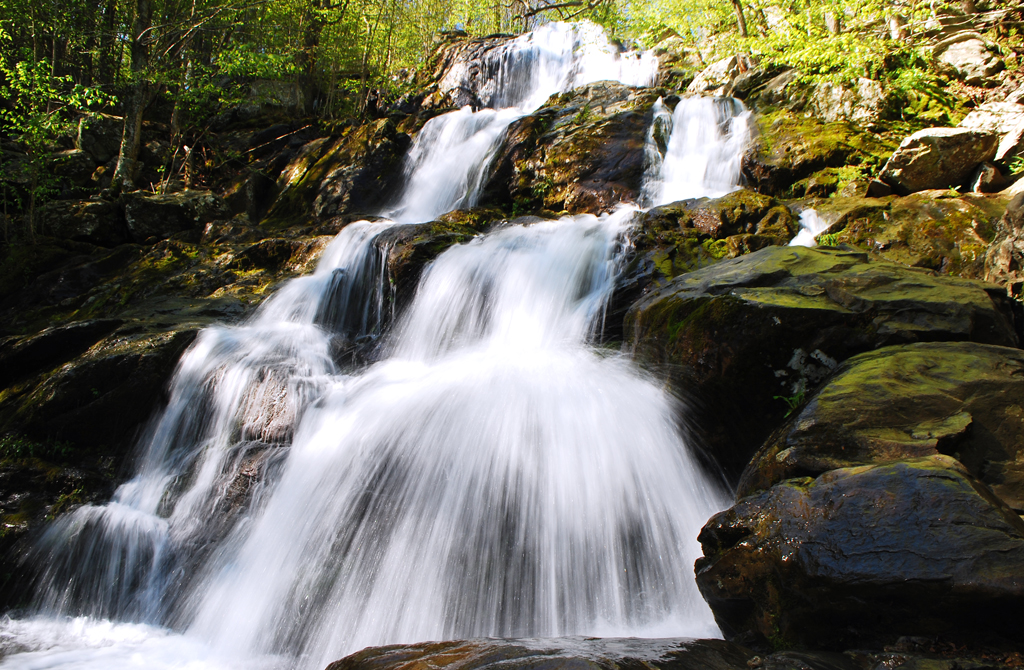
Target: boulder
[583,153]
[1004,262]
[986,179]
[864,102]
[862,556]
[782,89]
[52,346]
[456,69]
[74,165]
[721,74]
[99,135]
[961,399]
[98,222]
[791,146]
[574,653]
[745,339]
[154,217]
[970,56]
[1005,119]
[928,229]
[938,158]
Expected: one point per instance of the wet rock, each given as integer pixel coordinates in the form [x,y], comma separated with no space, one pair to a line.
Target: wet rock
[1004,261]
[970,56]
[276,254]
[155,217]
[1006,119]
[569,653]
[745,339]
[861,556]
[938,158]
[97,222]
[99,135]
[583,153]
[792,146]
[961,399]
[460,73]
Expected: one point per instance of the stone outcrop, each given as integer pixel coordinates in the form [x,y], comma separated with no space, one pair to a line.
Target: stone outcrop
[862,555]
[938,158]
[744,340]
[1004,262]
[970,56]
[99,222]
[1005,119]
[155,217]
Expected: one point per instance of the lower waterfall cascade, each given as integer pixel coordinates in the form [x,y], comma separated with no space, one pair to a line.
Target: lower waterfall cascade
[491,471]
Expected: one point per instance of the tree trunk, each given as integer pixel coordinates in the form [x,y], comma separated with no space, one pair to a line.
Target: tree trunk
[832,23]
[741,22]
[131,139]
[106,60]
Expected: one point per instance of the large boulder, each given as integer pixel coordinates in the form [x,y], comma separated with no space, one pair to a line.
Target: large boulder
[938,158]
[1004,262]
[73,165]
[721,74]
[97,222]
[862,556]
[151,217]
[584,152]
[459,72]
[863,102]
[970,56]
[745,339]
[956,398]
[1005,119]
[99,135]
[791,146]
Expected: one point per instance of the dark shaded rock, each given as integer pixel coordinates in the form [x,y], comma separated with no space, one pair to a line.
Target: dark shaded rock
[274,254]
[861,556]
[938,158]
[584,152]
[739,337]
[793,146]
[956,398]
[97,222]
[74,165]
[878,189]
[50,347]
[99,135]
[565,653]
[155,217]
[986,179]
[1004,261]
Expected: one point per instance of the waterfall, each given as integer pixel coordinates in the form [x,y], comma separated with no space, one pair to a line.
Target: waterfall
[696,150]
[445,166]
[811,225]
[328,475]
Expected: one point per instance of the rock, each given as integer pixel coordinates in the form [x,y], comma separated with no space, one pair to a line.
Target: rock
[74,165]
[456,70]
[938,158]
[878,189]
[99,135]
[97,222]
[583,153]
[154,217]
[927,229]
[792,146]
[744,339]
[720,74]
[970,57]
[1006,119]
[987,179]
[1004,262]
[155,154]
[865,102]
[862,556]
[574,653]
[961,399]
[1016,96]
[52,346]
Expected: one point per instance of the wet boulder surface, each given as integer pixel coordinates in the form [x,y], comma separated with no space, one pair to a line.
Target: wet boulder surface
[746,339]
[861,555]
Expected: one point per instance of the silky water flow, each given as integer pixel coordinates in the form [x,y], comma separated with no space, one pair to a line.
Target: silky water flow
[494,472]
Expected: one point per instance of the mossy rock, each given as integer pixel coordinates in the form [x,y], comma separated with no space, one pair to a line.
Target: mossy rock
[744,339]
[957,398]
[793,146]
[862,556]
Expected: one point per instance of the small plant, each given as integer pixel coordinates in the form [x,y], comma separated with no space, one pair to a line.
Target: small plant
[1016,165]
[582,116]
[828,239]
[792,401]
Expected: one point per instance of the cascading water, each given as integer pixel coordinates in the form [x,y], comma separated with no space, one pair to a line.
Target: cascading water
[446,164]
[493,474]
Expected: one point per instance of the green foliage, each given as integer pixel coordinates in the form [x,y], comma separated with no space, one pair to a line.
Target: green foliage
[792,401]
[1016,165]
[828,239]
[14,446]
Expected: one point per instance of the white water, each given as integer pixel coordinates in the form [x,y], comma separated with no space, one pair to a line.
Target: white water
[811,225]
[447,163]
[701,157]
[493,474]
